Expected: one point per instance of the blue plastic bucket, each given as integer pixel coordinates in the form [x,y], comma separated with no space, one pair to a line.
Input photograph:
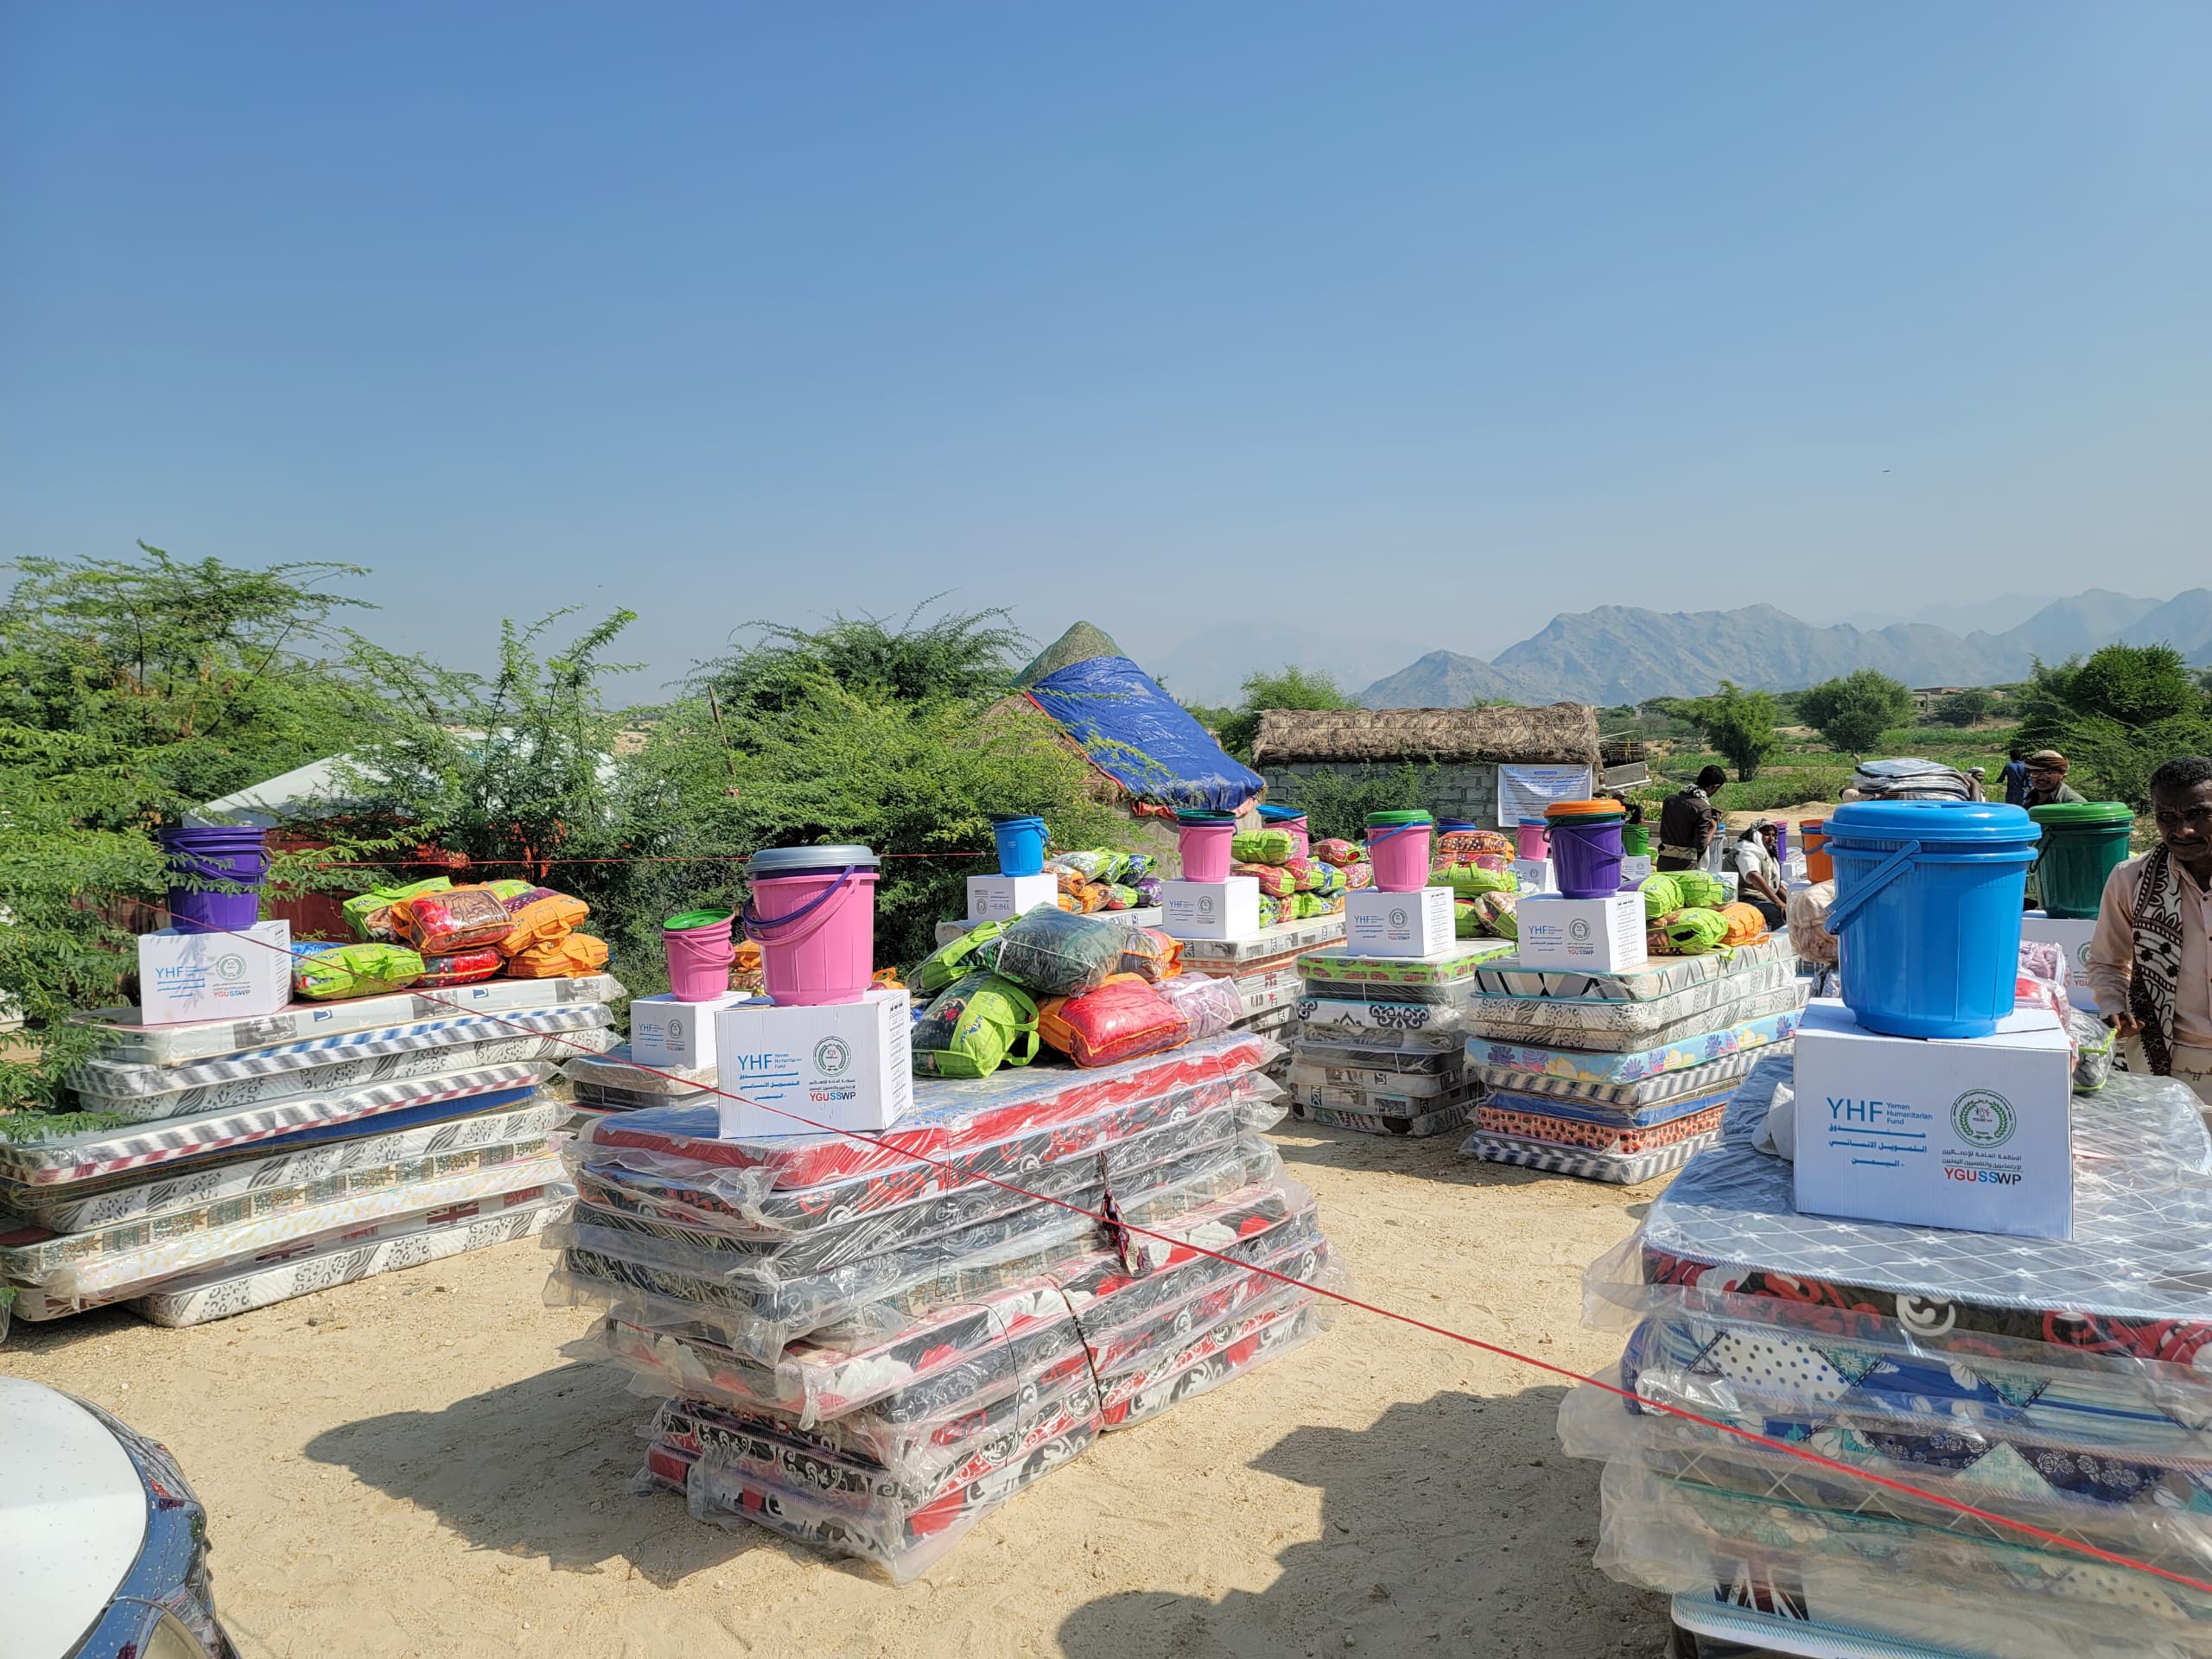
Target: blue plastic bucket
[1927,912]
[1021,845]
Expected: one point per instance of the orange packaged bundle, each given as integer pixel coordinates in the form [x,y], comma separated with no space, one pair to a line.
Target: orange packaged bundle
[1745,924]
[1122,1020]
[566,957]
[1084,898]
[1467,843]
[445,923]
[539,916]
[745,974]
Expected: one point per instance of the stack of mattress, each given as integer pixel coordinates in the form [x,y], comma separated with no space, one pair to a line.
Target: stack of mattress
[866,1343]
[1621,1077]
[211,1168]
[612,1083]
[1378,1043]
[2066,1385]
[1265,968]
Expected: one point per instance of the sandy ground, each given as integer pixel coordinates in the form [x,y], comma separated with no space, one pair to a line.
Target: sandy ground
[409,1466]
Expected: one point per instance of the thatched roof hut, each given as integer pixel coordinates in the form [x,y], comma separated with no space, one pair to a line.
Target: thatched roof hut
[1560,733]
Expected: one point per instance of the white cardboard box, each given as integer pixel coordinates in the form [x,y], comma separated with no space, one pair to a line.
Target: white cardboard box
[242,976]
[2072,939]
[1974,1135]
[1416,923]
[667,1031]
[1635,869]
[1602,936]
[1212,910]
[1535,875]
[1002,898]
[845,1066]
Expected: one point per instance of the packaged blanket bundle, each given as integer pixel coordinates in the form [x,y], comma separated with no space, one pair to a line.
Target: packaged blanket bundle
[1275,881]
[539,916]
[1334,851]
[369,914]
[1272,847]
[867,1346]
[323,971]
[1122,1020]
[2057,1385]
[1052,953]
[566,957]
[1152,955]
[195,1182]
[441,923]
[462,967]
[1461,845]
[975,1024]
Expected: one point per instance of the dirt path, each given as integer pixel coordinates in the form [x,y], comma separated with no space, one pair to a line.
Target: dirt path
[409,1466]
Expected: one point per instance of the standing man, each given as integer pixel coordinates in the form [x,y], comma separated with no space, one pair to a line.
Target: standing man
[1758,874]
[1687,821]
[1977,782]
[2150,958]
[2047,780]
[2015,779]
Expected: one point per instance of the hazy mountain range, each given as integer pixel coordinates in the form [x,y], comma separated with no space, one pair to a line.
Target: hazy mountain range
[1619,654]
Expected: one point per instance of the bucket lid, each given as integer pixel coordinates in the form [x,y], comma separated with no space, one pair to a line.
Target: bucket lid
[1987,823]
[1570,820]
[2075,814]
[1281,814]
[1014,818]
[800,861]
[1559,810]
[1812,826]
[686,920]
[1388,820]
[1202,815]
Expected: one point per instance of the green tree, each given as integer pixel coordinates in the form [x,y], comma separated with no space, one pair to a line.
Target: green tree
[1739,725]
[2117,715]
[130,691]
[1852,712]
[1963,707]
[1293,688]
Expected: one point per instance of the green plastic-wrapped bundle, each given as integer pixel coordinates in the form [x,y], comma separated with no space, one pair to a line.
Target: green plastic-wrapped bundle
[1499,914]
[1699,890]
[1662,896]
[975,1026]
[1695,931]
[1262,846]
[1469,879]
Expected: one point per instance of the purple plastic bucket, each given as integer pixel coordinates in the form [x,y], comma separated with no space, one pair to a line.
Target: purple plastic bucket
[1587,859]
[200,853]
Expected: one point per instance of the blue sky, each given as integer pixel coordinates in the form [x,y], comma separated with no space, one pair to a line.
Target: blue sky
[1279,329]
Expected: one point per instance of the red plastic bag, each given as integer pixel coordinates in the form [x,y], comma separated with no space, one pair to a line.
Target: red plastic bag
[462,967]
[444,923]
[1122,1020]
[1334,851]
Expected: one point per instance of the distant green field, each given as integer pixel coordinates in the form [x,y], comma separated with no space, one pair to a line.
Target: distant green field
[1806,769]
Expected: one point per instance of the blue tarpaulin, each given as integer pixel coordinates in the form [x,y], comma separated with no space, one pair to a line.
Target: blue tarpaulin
[1141,737]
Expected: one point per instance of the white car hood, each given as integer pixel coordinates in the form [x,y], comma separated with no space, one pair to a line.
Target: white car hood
[73,1516]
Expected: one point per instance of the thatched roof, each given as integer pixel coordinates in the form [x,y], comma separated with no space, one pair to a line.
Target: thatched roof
[1560,733]
[1078,645]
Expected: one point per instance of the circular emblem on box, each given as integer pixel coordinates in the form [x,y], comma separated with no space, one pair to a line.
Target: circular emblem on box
[1579,930]
[675,1028]
[1984,1118]
[832,1055]
[1205,904]
[1398,918]
[230,966]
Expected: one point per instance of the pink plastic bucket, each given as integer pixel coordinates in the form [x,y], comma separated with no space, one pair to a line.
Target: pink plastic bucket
[700,948]
[812,913]
[1528,841]
[1204,846]
[1400,854]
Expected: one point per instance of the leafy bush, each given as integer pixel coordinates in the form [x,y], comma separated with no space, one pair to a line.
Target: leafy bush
[1739,724]
[1852,712]
[1293,688]
[1337,799]
[2117,716]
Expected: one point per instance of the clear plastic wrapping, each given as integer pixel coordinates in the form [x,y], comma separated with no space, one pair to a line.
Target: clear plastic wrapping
[1500,1061]
[1876,1574]
[1439,1118]
[1507,977]
[555,1036]
[757,1311]
[1601,1023]
[1209,1006]
[107,1149]
[1590,1163]
[309,1027]
[949,1117]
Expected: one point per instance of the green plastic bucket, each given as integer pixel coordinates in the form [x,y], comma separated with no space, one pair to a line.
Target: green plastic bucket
[2083,842]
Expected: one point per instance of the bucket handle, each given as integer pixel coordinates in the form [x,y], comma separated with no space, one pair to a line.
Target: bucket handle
[1391,829]
[752,919]
[1884,873]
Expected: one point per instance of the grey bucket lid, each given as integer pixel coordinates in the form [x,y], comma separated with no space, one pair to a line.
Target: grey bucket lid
[799,861]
